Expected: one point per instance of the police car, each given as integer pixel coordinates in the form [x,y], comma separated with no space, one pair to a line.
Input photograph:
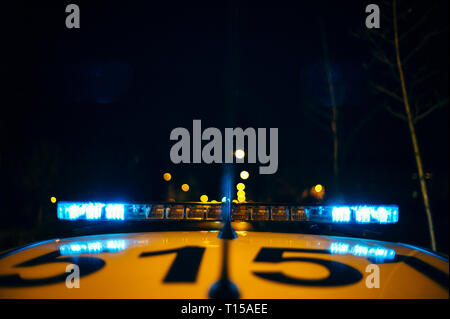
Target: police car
[221,250]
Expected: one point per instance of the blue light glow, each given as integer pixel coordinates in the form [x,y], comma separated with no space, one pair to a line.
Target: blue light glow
[90,211]
[93,247]
[376,214]
[339,248]
[377,252]
[365,214]
[78,210]
[94,211]
[115,211]
[341,214]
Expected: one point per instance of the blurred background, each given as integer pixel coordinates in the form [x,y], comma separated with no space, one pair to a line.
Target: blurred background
[86,113]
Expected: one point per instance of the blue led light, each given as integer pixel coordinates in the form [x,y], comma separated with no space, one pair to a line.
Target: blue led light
[363,214]
[341,214]
[80,210]
[115,211]
[93,247]
[75,211]
[94,211]
[90,211]
[376,214]
[377,252]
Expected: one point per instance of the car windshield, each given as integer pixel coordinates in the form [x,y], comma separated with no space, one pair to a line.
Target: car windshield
[295,104]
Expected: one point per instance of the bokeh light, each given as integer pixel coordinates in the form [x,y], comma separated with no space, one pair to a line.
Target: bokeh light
[244,174]
[240,154]
[167,177]
[241,193]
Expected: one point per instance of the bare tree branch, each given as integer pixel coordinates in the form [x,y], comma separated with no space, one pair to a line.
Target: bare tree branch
[379,51]
[411,29]
[395,113]
[422,75]
[412,130]
[379,54]
[319,120]
[421,44]
[388,92]
[415,19]
[430,109]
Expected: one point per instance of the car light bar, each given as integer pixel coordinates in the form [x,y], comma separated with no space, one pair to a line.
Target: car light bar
[359,214]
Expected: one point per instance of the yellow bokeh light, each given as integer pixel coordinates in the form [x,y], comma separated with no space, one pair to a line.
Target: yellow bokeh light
[241,199]
[244,174]
[185,187]
[235,201]
[241,193]
[240,154]
[240,186]
[204,198]
[318,188]
[53,199]
[167,177]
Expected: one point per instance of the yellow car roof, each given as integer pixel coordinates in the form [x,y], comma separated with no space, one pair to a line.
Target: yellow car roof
[184,264]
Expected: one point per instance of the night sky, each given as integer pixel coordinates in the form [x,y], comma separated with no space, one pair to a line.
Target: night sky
[87,113]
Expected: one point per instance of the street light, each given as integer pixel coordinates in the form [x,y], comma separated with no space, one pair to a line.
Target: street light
[167,177]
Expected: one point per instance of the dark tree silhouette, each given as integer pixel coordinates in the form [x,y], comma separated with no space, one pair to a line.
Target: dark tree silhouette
[396,61]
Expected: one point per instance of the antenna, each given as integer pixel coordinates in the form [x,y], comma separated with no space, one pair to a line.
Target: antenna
[227,231]
[224,288]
